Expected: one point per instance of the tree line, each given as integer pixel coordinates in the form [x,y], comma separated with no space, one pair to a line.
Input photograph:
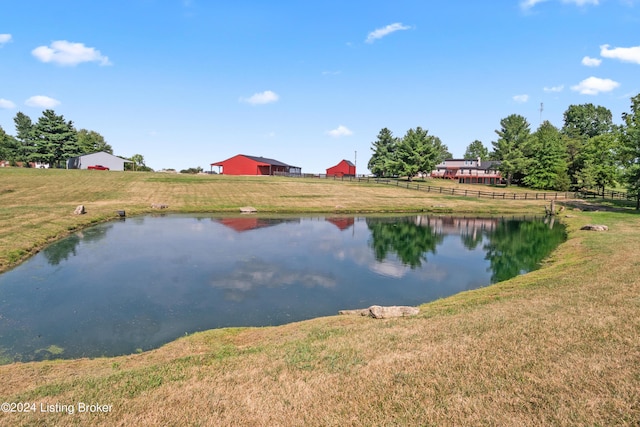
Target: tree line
[588,151]
[52,140]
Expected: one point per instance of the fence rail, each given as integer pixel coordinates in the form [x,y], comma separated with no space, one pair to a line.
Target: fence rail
[420,186]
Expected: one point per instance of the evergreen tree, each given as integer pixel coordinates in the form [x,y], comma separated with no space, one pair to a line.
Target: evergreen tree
[382,160]
[56,139]
[476,149]
[510,147]
[419,152]
[26,138]
[546,167]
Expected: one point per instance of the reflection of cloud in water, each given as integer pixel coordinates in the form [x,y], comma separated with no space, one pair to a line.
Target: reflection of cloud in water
[252,274]
[389,269]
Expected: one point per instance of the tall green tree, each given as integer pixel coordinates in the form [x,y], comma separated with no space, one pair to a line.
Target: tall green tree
[476,149]
[586,120]
[513,137]
[419,152]
[4,152]
[600,161]
[582,122]
[26,138]
[91,141]
[546,168]
[382,160]
[56,139]
[9,147]
[631,148]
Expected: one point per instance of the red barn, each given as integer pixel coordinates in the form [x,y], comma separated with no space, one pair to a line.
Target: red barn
[251,165]
[343,168]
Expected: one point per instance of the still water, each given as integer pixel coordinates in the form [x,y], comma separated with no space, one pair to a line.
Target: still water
[133,285]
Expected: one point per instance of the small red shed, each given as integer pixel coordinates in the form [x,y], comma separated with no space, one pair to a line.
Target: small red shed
[242,164]
[343,168]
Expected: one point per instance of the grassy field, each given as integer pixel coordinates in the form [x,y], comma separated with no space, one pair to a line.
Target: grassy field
[558,346]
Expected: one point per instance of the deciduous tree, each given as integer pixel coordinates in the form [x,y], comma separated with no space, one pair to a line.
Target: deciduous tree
[582,122]
[631,148]
[91,141]
[599,160]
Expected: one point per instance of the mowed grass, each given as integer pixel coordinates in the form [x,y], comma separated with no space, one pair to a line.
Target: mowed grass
[557,346]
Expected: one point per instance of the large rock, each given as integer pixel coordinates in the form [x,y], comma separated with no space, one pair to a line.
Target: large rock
[248,209]
[380,312]
[80,210]
[595,227]
[159,206]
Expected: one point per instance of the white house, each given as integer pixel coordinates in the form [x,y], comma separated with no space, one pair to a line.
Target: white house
[101,158]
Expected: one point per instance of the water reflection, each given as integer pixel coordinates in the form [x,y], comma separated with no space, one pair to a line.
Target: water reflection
[135,284]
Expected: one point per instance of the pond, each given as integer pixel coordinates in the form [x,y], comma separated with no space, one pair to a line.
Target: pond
[135,284]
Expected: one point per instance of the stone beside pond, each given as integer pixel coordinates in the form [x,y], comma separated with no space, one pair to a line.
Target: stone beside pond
[380,312]
[595,227]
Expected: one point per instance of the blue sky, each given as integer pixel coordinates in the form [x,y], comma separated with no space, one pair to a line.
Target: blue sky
[187,83]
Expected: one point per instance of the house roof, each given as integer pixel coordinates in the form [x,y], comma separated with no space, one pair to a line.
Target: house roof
[349,163]
[264,161]
[101,152]
[484,164]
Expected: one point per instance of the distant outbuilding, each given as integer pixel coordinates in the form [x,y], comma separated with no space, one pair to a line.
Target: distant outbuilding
[242,164]
[101,158]
[344,168]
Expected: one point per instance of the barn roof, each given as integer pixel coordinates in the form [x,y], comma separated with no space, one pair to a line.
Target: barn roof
[263,160]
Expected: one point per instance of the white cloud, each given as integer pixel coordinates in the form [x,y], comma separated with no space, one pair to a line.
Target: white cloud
[521,98]
[558,88]
[528,4]
[595,85]
[4,38]
[591,62]
[385,31]
[42,101]
[5,103]
[265,97]
[63,52]
[340,131]
[624,54]
[582,2]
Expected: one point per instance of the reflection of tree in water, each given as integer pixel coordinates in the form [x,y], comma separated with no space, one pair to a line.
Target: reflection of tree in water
[472,240]
[516,247]
[61,250]
[409,241]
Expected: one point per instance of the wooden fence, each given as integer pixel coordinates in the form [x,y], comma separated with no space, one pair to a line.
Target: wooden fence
[421,186]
